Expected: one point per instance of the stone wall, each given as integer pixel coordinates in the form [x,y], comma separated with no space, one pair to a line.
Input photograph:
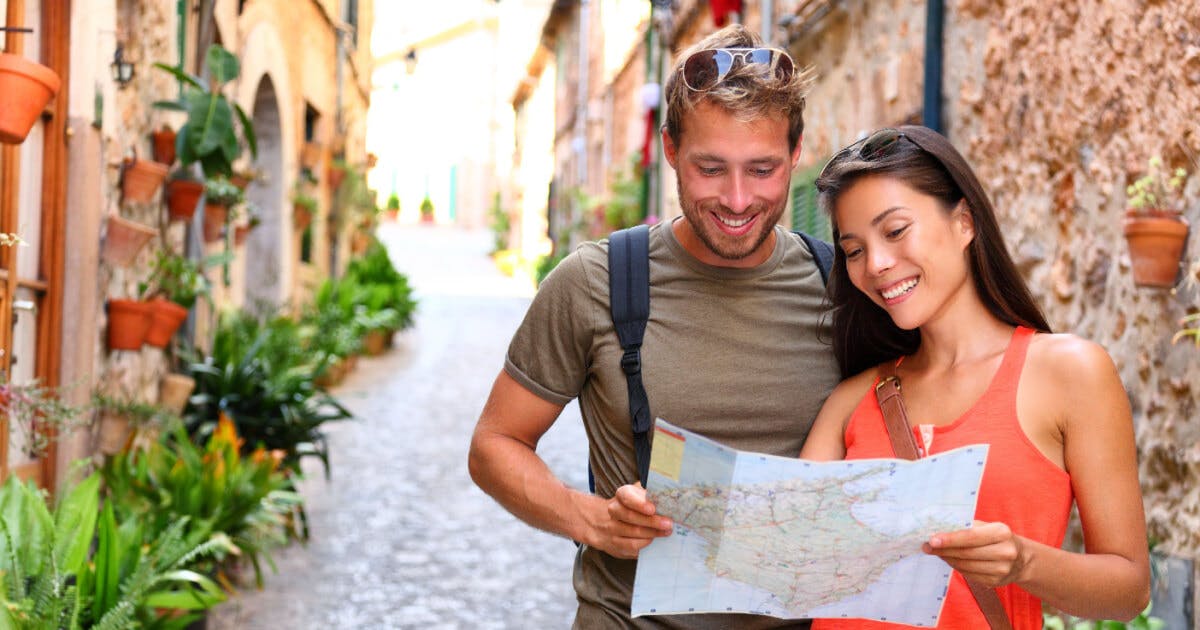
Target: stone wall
[1059,106]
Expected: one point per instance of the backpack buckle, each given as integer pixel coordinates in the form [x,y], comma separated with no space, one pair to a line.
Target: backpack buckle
[631,362]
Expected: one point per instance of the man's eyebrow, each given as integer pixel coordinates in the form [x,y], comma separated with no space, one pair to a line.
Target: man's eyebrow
[712,157]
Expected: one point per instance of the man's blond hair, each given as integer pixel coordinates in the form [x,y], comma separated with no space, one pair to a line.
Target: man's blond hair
[745,92]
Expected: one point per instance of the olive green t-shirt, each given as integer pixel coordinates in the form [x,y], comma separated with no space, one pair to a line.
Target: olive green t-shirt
[741,356]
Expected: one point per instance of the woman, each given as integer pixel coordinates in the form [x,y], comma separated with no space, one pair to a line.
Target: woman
[922,281]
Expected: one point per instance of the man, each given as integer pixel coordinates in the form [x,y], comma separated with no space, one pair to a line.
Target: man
[733,349]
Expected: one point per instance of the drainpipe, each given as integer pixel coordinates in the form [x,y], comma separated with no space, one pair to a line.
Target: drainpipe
[768,21]
[582,107]
[932,110]
[339,128]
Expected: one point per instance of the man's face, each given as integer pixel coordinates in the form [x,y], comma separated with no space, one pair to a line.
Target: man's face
[733,181]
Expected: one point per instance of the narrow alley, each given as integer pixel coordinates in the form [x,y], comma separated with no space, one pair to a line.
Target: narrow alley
[401,537]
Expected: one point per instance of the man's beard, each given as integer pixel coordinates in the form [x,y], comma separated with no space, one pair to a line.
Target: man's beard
[696,214]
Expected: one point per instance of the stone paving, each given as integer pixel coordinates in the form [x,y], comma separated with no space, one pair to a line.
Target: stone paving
[401,537]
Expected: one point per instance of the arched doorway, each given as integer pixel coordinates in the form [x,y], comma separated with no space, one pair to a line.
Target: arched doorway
[266,249]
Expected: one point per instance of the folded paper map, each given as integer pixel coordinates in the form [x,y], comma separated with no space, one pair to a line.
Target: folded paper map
[792,538]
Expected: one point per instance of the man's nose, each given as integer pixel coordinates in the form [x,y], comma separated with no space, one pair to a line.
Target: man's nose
[737,193]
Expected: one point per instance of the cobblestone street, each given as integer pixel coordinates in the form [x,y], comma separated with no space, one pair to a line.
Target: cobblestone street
[401,537]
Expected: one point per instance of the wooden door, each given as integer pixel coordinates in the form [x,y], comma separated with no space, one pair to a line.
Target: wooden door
[32,195]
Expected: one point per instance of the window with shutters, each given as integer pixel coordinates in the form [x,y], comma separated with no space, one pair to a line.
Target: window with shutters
[806,216]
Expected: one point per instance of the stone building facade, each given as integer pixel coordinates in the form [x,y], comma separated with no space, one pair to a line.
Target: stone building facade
[304,79]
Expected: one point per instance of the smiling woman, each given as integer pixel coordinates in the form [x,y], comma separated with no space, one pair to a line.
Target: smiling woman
[924,291]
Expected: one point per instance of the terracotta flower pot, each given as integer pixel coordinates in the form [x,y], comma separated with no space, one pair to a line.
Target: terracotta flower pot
[141,179]
[335,176]
[174,390]
[112,434]
[241,180]
[1155,247]
[183,195]
[301,217]
[214,221]
[25,89]
[240,233]
[165,318]
[377,341]
[123,239]
[163,142]
[128,323]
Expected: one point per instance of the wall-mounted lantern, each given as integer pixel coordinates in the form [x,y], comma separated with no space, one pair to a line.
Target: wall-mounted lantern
[122,69]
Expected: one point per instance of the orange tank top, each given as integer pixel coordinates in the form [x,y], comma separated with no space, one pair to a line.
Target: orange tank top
[1020,487]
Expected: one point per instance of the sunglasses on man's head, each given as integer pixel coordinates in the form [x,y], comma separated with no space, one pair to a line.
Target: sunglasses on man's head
[705,69]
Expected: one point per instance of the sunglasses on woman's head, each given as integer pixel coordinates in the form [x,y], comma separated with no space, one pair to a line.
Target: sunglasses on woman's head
[879,144]
[705,69]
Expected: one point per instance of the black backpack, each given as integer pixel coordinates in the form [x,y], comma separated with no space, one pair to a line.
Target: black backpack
[629,299]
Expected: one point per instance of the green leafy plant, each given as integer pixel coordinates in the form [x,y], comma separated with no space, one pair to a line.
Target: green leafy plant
[1158,192]
[220,489]
[1189,326]
[393,202]
[379,286]
[308,202]
[209,135]
[260,373]
[501,224]
[38,414]
[623,207]
[1143,621]
[426,208]
[221,191]
[179,278]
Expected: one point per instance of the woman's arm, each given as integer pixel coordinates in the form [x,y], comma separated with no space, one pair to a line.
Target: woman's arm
[1073,387]
[826,441]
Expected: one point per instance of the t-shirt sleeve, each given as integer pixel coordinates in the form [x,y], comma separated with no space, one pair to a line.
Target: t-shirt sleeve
[549,353]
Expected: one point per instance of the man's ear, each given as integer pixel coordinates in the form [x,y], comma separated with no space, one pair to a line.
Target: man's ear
[669,148]
[796,151]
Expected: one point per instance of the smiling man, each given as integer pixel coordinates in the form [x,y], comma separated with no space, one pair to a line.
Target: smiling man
[735,347]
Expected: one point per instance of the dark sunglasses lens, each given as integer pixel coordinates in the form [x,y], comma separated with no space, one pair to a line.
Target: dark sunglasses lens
[700,70]
[879,144]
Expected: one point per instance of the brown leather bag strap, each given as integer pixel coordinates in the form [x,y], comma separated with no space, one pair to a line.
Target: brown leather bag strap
[887,390]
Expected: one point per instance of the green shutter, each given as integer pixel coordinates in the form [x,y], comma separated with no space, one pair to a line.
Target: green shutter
[806,216]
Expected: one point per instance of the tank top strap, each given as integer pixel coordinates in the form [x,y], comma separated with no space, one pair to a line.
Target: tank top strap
[1014,359]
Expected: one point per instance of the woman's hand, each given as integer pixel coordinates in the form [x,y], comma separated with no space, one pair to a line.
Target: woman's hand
[988,553]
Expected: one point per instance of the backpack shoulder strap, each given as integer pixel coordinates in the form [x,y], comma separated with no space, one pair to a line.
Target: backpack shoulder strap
[822,252]
[629,302]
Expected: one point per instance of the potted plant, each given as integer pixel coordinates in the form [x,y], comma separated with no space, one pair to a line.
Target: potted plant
[118,418]
[209,136]
[162,141]
[1154,225]
[219,196]
[393,207]
[123,239]
[426,210]
[25,89]
[38,414]
[174,391]
[336,173]
[183,195]
[140,179]
[128,323]
[174,284]
[304,208]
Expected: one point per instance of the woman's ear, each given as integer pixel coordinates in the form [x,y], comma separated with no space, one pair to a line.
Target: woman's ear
[965,221]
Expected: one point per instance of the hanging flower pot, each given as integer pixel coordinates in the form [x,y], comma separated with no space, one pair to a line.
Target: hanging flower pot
[123,239]
[303,207]
[214,221]
[25,89]
[163,142]
[140,179]
[113,432]
[240,233]
[183,195]
[173,392]
[1155,247]
[128,323]
[335,175]
[165,318]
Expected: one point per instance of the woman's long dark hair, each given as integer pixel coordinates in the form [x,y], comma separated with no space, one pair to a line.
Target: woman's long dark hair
[864,335]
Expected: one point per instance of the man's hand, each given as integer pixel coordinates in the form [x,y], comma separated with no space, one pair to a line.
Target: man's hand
[625,524]
[987,553]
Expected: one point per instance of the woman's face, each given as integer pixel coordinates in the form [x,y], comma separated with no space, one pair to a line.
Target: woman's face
[903,249]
